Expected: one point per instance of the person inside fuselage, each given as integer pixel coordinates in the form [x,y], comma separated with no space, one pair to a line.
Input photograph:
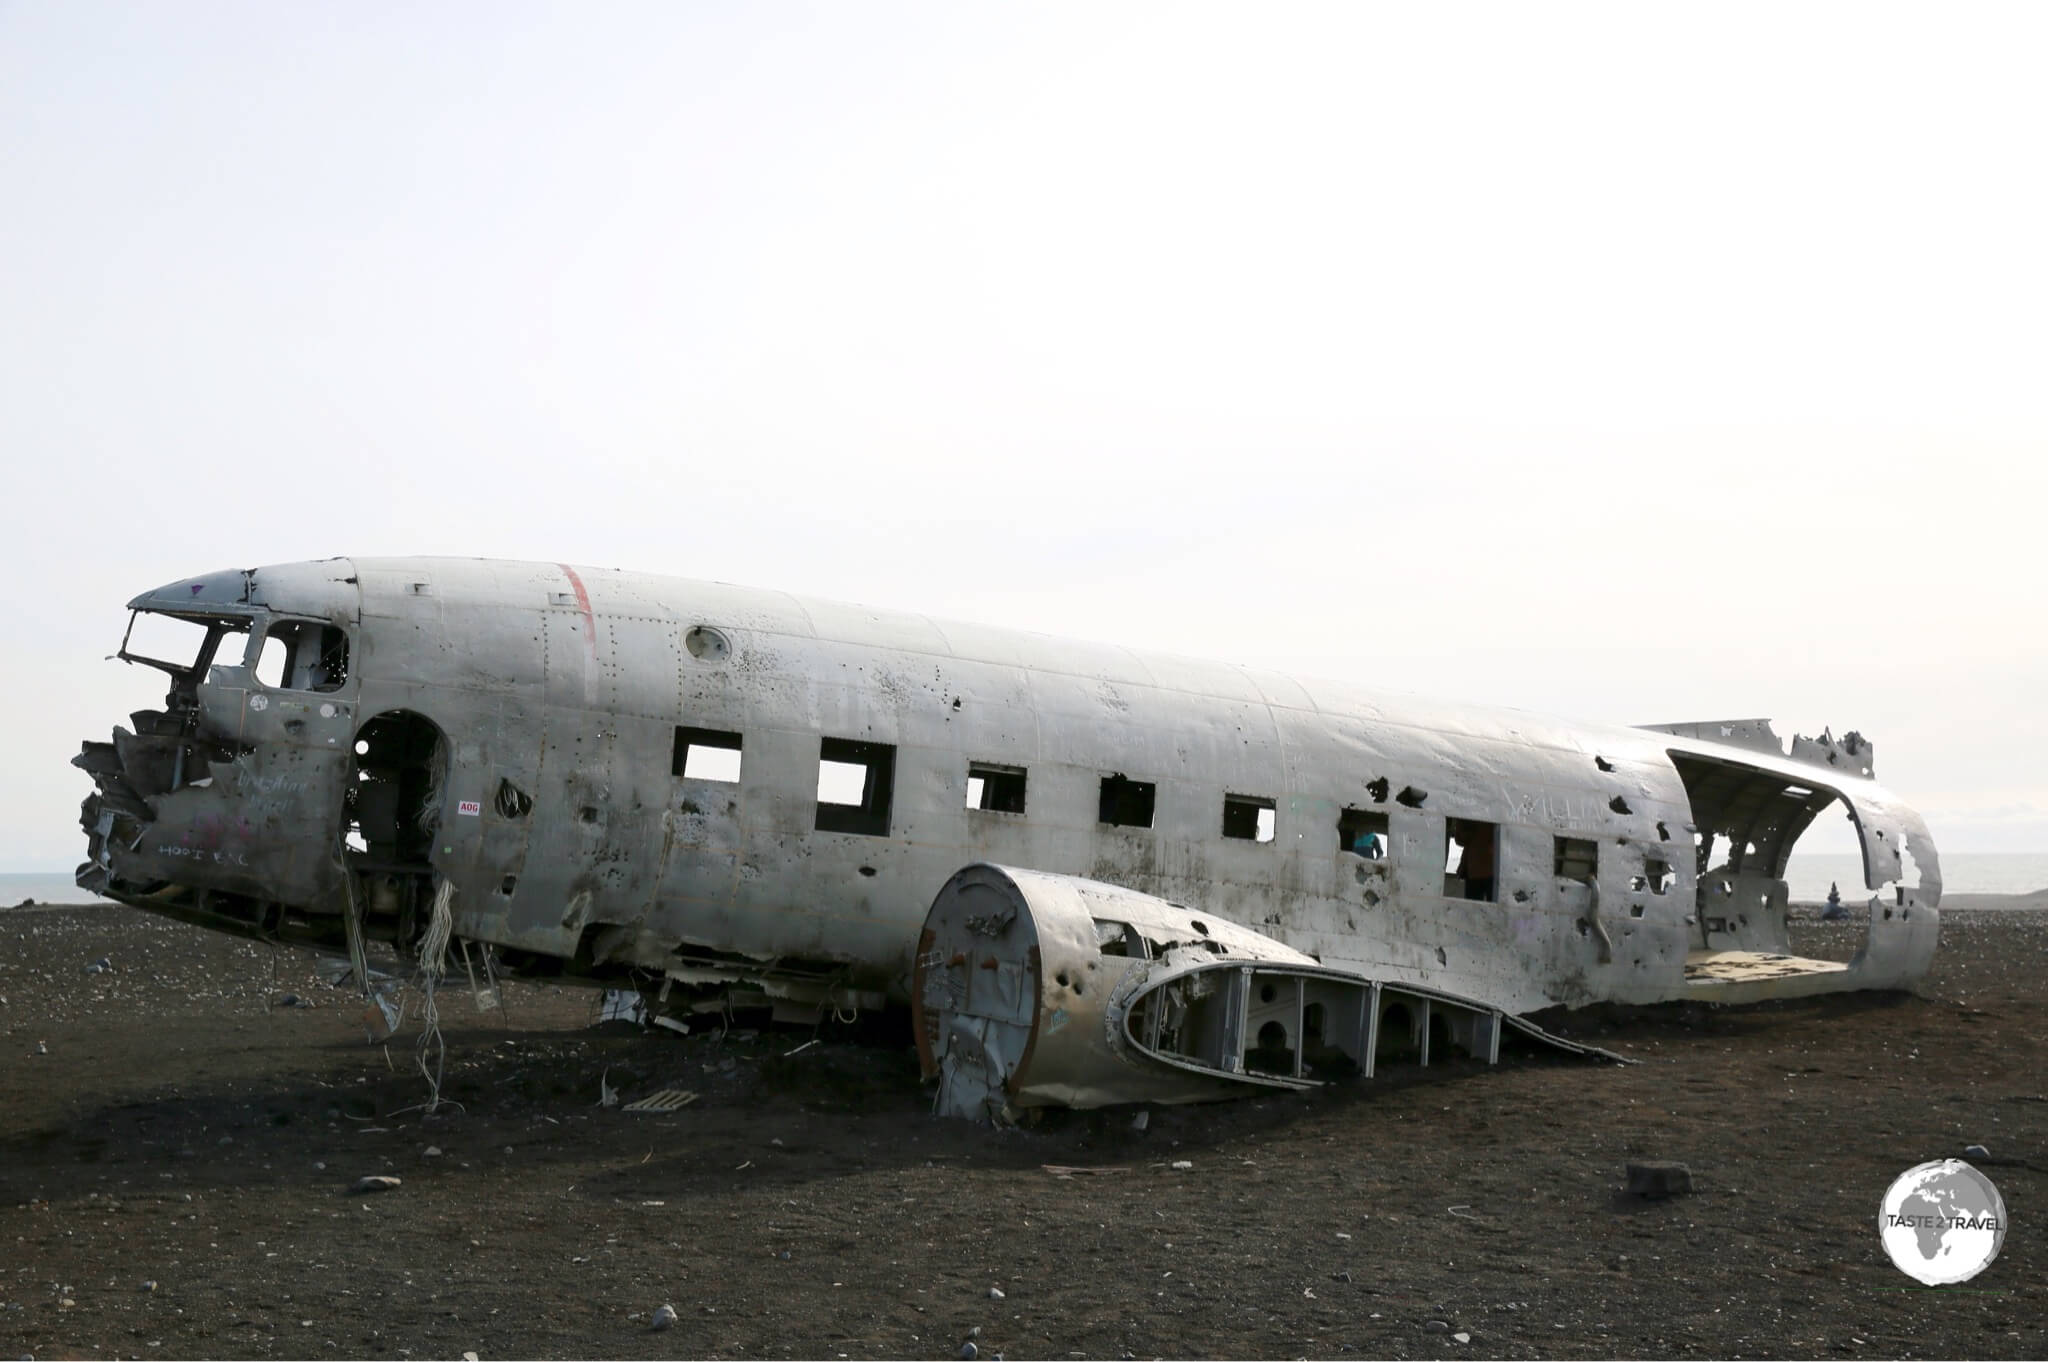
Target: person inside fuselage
[1475,865]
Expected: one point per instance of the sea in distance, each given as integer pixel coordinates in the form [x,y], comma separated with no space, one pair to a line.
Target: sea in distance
[1808,877]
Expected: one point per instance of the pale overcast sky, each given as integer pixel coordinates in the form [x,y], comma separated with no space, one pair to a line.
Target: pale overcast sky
[1635,362]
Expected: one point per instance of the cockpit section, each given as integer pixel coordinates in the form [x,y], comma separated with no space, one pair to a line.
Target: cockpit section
[224,806]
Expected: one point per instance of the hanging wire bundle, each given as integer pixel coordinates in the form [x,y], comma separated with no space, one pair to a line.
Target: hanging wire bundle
[432,1050]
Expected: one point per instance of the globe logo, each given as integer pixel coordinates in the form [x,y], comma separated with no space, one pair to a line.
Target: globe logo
[1942,1222]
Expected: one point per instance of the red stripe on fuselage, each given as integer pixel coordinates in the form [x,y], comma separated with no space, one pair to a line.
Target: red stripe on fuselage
[583,604]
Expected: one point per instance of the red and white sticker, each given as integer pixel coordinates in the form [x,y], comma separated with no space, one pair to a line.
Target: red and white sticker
[469,808]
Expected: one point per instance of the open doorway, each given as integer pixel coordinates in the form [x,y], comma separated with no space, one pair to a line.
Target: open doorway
[393,805]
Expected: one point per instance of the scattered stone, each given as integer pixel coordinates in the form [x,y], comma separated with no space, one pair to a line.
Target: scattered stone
[41,1048]
[1461,1337]
[995,1293]
[471,1357]
[1141,1120]
[375,1182]
[1436,1326]
[1182,1165]
[149,1286]
[1658,1180]
[95,968]
[664,1317]
[432,1151]
[1976,1151]
[225,1140]
[975,1332]
[292,1000]
[969,1352]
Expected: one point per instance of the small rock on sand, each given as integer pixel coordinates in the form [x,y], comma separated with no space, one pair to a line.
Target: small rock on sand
[375,1182]
[1658,1180]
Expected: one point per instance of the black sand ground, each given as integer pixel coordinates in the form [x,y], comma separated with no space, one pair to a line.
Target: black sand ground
[172,1175]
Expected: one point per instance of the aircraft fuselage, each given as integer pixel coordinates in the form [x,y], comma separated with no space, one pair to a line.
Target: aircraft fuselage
[623,773]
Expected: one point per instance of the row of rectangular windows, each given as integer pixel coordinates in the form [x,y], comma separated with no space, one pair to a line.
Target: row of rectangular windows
[856,782]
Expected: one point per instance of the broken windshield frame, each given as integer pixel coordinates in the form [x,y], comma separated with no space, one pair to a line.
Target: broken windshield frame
[216,629]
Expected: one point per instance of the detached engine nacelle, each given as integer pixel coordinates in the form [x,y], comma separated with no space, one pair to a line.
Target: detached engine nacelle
[1047,990]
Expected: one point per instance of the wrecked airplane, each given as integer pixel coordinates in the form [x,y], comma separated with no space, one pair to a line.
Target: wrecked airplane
[1097,876]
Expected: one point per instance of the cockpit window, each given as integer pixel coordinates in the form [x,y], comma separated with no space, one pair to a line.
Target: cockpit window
[180,643]
[303,655]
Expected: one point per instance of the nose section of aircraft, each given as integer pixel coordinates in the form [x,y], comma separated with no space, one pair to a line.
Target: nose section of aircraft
[224,805]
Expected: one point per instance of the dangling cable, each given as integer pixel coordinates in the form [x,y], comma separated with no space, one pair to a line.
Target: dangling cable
[358,956]
[433,963]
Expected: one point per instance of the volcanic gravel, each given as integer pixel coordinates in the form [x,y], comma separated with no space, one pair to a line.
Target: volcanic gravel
[178,1149]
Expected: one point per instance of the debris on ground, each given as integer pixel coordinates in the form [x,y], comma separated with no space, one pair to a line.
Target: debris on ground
[668,1099]
[1659,1179]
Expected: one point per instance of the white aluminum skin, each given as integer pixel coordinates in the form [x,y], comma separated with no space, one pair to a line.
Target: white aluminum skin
[569,683]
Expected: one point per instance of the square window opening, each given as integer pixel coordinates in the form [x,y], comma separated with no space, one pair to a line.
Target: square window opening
[1120,939]
[706,754]
[995,789]
[1127,803]
[1659,873]
[855,781]
[1363,833]
[1249,818]
[1469,856]
[303,655]
[1576,858]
